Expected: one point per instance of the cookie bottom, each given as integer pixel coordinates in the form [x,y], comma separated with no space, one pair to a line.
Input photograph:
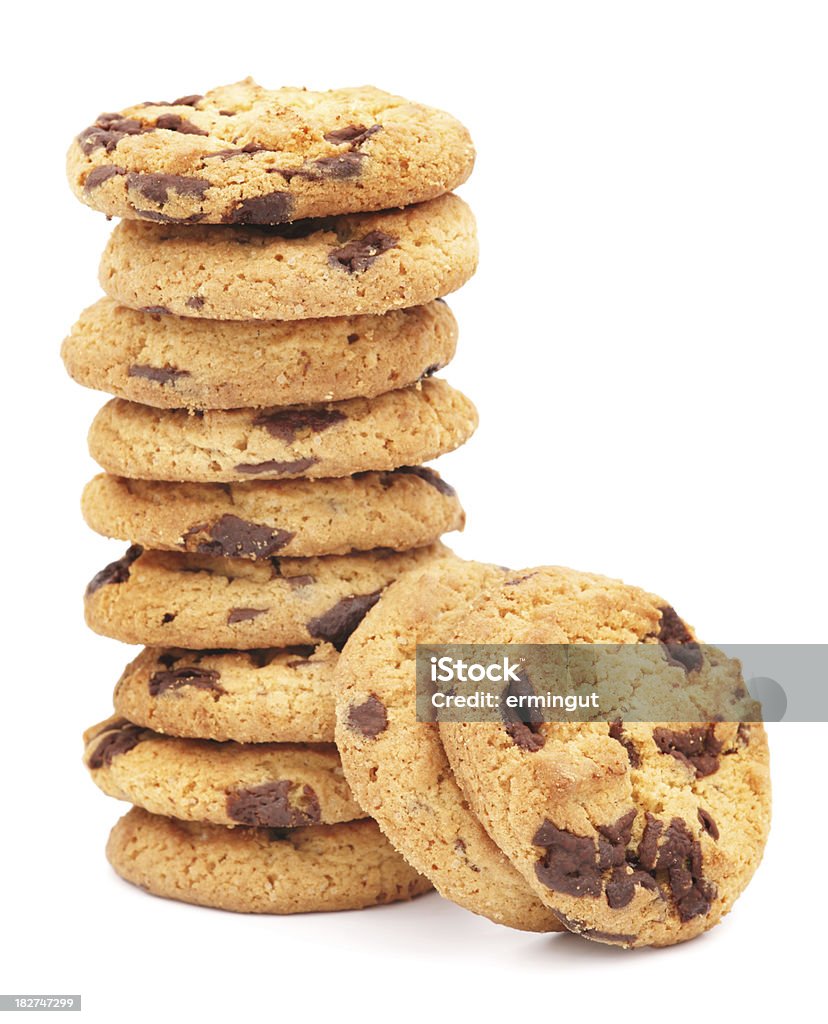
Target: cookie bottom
[261,871]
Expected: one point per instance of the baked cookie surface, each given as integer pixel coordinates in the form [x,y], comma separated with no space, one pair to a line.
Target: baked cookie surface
[399,428]
[174,362]
[241,154]
[273,785]
[168,599]
[346,866]
[270,695]
[402,509]
[339,266]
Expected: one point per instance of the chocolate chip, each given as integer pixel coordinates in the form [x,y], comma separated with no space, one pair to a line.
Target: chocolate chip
[122,737]
[687,656]
[570,862]
[675,851]
[187,101]
[708,824]
[525,736]
[698,747]
[274,466]
[672,629]
[98,175]
[523,723]
[340,167]
[358,255]
[195,302]
[355,134]
[177,123]
[244,614]
[232,537]
[430,477]
[154,310]
[273,208]
[620,888]
[187,675]
[337,623]
[163,218]
[297,582]
[616,731]
[108,131]
[115,572]
[158,374]
[157,187]
[287,424]
[269,805]
[369,719]
[168,617]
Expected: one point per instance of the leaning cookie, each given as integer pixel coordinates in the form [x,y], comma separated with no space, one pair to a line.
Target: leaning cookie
[162,598]
[400,428]
[407,508]
[174,362]
[261,871]
[241,154]
[339,266]
[274,785]
[270,695]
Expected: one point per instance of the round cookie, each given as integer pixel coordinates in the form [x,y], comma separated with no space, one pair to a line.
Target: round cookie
[399,428]
[167,599]
[272,785]
[400,510]
[261,871]
[174,362]
[399,772]
[339,266]
[242,154]
[269,695]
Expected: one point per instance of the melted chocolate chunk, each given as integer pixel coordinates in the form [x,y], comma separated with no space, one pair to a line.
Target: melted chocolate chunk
[620,888]
[157,187]
[675,851]
[355,134]
[122,737]
[687,656]
[244,614]
[185,101]
[288,424]
[274,466]
[108,131]
[358,255]
[523,723]
[269,805]
[115,572]
[369,719]
[525,736]
[154,310]
[159,374]
[672,629]
[345,165]
[337,623]
[430,477]
[98,175]
[698,747]
[273,208]
[188,675]
[570,863]
[177,123]
[708,824]
[616,731]
[232,537]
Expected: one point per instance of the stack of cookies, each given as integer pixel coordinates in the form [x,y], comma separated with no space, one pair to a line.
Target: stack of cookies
[272,322]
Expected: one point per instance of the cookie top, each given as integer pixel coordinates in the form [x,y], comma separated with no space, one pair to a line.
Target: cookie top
[399,773]
[634,834]
[402,509]
[399,428]
[242,154]
[258,870]
[174,362]
[274,785]
[336,266]
[167,599]
[275,695]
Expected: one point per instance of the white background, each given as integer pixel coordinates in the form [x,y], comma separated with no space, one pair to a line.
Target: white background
[645,342]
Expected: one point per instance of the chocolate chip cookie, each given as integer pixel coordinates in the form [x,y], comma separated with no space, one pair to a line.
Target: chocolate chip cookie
[241,154]
[407,508]
[261,870]
[273,785]
[270,695]
[399,428]
[174,362]
[167,599]
[338,266]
